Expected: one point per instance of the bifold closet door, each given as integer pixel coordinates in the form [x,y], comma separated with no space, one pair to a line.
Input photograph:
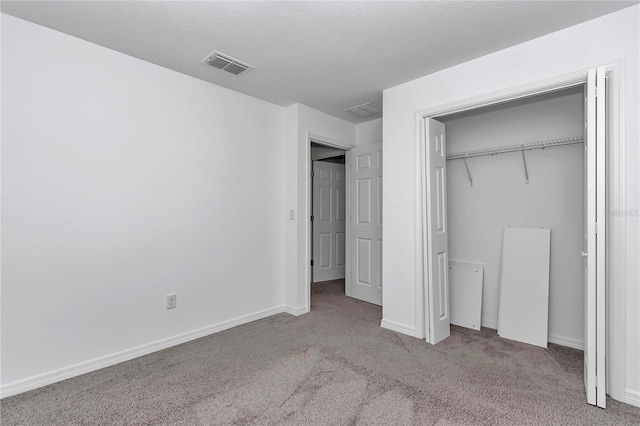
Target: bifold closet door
[437,254]
[595,238]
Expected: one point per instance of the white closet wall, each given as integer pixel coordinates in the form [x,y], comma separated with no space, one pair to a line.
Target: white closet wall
[500,197]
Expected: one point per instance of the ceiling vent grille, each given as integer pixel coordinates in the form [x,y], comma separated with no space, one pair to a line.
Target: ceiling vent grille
[226,63]
[364,110]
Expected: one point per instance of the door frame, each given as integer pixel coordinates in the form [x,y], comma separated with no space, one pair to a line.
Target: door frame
[615,299]
[306,215]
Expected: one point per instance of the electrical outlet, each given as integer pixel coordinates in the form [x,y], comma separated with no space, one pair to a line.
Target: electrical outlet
[171,300]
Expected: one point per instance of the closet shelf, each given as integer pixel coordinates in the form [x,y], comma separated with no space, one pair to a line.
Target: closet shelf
[514,148]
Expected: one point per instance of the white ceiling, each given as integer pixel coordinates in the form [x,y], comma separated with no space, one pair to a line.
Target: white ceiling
[327,55]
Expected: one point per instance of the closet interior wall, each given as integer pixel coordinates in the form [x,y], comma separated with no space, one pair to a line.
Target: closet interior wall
[500,197]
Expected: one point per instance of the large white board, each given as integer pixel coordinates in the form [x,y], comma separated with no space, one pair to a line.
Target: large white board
[524,285]
[465,293]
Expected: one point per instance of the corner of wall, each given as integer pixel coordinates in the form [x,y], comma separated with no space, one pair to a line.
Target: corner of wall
[290,204]
[369,132]
[398,328]
[632,397]
[303,121]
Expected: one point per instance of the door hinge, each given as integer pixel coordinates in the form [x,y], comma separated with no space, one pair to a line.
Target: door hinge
[312,175]
[311,262]
[311,218]
[596,228]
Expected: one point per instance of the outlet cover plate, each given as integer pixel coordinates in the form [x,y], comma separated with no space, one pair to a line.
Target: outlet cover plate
[171,300]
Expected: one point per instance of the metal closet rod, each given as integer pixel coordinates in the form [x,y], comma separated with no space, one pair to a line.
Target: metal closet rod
[514,148]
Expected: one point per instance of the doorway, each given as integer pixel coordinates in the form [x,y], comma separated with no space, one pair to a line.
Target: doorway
[328,217]
[345,230]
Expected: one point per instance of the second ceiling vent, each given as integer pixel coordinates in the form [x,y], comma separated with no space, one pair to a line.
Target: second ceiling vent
[226,63]
[364,110]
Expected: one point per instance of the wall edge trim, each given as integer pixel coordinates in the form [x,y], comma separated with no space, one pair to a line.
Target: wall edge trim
[397,327]
[301,310]
[552,338]
[565,341]
[74,370]
[632,397]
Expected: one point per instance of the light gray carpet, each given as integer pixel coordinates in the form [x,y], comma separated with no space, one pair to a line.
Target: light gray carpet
[333,366]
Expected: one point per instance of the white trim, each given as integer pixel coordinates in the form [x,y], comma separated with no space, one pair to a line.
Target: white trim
[616,250]
[39,380]
[601,238]
[348,171]
[632,397]
[331,143]
[506,95]
[295,311]
[421,296]
[489,324]
[565,341]
[397,327]
[552,338]
[306,216]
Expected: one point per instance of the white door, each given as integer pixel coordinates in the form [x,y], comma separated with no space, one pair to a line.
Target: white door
[594,242]
[365,277]
[328,221]
[437,254]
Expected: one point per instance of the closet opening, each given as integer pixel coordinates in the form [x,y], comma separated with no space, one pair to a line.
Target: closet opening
[514,205]
[517,165]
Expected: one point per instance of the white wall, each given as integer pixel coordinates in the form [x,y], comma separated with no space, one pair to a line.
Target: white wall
[604,40]
[500,198]
[122,182]
[302,123]
[369,132]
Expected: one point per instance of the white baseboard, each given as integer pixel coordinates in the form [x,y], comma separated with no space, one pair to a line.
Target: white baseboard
[295,311]
[558,340]
[400,328]
[37,381]
[632,397]
[564,341]
[489,324]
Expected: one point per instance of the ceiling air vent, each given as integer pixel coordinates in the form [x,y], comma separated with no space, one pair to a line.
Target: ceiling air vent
[226,63]
[364,110]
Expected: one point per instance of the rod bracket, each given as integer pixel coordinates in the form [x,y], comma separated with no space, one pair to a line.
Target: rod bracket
[468,172]
[526,172]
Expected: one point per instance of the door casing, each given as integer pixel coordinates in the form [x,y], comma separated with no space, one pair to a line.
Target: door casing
[305,287]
